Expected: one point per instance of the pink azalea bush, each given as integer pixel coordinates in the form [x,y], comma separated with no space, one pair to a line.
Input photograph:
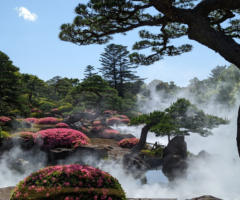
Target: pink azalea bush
[110,112]
[113,120]
[47,120]
[96,122]
[25,135]
[5,119]
[122,116]
[55,110]
[36,110]
[31,120]
[128,143]
[110,131]
[96,129]
[61,137]
[61,125]
[125,121]
[69,182]
[82,128]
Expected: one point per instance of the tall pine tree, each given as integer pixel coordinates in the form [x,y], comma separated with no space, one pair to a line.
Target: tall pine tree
[88,72]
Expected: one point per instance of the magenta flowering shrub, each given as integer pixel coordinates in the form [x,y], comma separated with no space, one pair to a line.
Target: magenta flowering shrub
[128,143]
[25,135]
[47,120]
[82,128]
[110,131]
[96,129]
[69,182]
[122,116]
[55,110]
[31,120]
[125,121]
[61,125]
[96,123]
[61,137]
[113,120]
[36,110]
[108,112]
[5,119]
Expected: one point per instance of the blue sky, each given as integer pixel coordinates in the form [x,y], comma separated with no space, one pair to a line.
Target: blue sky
[29,36]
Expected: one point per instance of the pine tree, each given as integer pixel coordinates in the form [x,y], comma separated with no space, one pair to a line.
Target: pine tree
[88,72]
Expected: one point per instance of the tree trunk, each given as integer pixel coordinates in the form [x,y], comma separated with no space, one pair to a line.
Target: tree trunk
[238,131]
[168,138]
[142,141]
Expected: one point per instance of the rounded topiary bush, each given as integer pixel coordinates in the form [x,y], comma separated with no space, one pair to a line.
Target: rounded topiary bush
[35,110]
[128,143]
[96,129]
[113,120]
[55,110]
[47,120]
[125,121]
[5,119]
[31,120]
[27,136]
[61,137]
[110,131]
[69,182]
[61,125]
[4,135]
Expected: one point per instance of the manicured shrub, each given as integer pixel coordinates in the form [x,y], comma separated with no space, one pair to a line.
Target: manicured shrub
[15,113]
[47,120]
[121,116]
[35,110]
[5,119]
[108,112]
[96,123]
[69,182]
[55,110]
[61,137]
[128,143]
[125,121]
[82,128]
[25,135]
[31,120]
[110,131]
[96,129]
[61,125]
[65,108]
[4,135]
[37,115]
[113,120]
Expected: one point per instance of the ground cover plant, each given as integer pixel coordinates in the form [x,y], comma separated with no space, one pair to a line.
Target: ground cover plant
[69,182]
[128,143]
[5,119]
[27,136]
[61,125]
[61,137]
[47,120]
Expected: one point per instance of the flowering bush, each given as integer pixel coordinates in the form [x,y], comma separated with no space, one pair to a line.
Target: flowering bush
[113,120]
[36,110]
[96,129]
[5,119]
[96,122]
[25,135]
[128,143]
[125,121]
[60,137]
[109,131]
[55,110]
[82,128]
[122,116]
[47,120]
[108,112]
[61,125]
[69,182]
[31,120]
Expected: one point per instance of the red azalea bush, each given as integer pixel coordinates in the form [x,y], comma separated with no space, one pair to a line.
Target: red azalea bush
[61,137]
[5,119]
[113,120]
[110,131]
[96,122]
[82,128]
[31,120]
[96,129]
[61,125]
[128,143]
[25,135]
[125,121]
[69,182]
[47,120]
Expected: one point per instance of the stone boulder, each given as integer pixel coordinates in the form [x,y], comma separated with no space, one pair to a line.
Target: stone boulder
[174,166]
[176,146]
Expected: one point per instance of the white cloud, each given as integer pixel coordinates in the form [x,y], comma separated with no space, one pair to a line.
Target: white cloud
[26,14]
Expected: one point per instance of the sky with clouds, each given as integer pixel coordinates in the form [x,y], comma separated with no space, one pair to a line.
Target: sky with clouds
[29,36]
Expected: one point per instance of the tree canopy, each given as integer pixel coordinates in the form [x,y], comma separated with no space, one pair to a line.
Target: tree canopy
[202,21]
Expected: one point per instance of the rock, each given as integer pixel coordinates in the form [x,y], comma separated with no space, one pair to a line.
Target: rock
[176,146]
[174,166]
[203,154]
[154,162]
[134,162]
[206,197]
[117,137]
[18,165]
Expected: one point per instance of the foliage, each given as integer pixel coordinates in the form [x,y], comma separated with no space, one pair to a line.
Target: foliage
[128,143]
[88,72]
[54,110]
[4,135]
[113,120]
[25,135]
[66,182]
[96,123]
[5,119]
[111,131]
[96,129]
[15,113]
[47,120]
[31,120]
[61,125]
[38,115]
[65,108]
[125,121]
[61,137]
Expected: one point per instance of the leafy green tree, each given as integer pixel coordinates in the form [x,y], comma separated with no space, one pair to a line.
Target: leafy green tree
[215,74]
[180,115]
[88,71]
